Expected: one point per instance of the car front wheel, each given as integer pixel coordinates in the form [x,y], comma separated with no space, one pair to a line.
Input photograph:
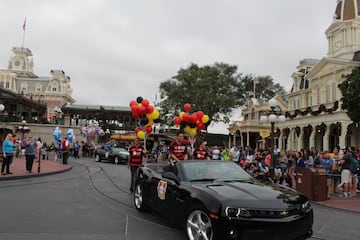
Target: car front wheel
[139,197]
[199,225]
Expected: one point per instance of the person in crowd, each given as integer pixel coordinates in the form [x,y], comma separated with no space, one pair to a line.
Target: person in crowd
[283,162]
[346,176]
[136,154]
[236,155]
[30,150]
[328,164]
[76,150]
[65,150]
[38,145]
[178,149]
[8,153]
[201,152]
[215,153]
[226,155]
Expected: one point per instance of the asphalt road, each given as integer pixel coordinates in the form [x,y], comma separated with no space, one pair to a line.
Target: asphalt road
[92,201]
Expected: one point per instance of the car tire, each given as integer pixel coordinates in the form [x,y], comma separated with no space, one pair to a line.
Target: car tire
[139,197]
[97,158]
[116,160]
[198,222]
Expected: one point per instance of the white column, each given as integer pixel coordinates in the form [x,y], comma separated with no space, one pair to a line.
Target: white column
[312,138]
[326,139]
[247,139]
[342,138]
[300,140]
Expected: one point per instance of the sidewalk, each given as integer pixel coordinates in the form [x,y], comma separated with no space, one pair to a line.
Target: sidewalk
[350,204]
[47,167]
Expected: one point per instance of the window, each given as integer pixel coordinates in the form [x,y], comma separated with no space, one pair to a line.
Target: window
[24,87]
[318,95]
[38,87]
[54,86]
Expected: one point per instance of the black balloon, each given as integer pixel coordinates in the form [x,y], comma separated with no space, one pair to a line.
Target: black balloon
[193,125]
[183,124]
[139,99]
[144,121]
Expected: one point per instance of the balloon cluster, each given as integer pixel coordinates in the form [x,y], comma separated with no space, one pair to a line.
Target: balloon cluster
[70,135]
[57,136]
[57,133]
[92,131]
[191,123]
[145,114]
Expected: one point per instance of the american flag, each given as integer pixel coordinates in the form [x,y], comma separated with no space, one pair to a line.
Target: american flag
[24,24]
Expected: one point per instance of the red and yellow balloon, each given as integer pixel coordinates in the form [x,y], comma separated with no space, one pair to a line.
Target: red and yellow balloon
[145,114]
[191,123]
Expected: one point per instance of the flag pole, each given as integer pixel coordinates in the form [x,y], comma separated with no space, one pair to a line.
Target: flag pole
[24,28]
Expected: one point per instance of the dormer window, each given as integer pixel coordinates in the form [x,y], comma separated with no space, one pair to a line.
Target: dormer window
[38,87]
[24,87]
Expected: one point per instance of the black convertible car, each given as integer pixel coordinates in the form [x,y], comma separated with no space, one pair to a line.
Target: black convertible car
[219,200]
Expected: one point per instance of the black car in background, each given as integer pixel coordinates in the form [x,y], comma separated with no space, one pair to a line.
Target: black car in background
[219,200]
[115,154]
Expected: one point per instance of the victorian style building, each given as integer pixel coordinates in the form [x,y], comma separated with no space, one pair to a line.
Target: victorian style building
[314,115]
[54,90]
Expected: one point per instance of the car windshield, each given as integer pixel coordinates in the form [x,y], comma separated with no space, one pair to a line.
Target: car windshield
[199,170]
[116,149]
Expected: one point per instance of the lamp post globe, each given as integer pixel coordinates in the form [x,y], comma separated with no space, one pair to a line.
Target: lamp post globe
[2,107]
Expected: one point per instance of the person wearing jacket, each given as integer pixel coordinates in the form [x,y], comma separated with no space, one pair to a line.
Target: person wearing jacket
[29,153]
[8,153]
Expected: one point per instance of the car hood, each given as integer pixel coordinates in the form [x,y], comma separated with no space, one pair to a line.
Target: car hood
[251,193]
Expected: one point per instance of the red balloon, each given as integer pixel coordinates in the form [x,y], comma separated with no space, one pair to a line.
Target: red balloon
[187,118]
[135,115]
[200,126]
[145,102]
[177,121]
[133,103]
[149,109]
[148,129]
[137,129]
[141,110]
[194,118]
[200,115]
[187,107]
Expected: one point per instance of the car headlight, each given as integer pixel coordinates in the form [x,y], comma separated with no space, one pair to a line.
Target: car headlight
[306,206]
[233,212]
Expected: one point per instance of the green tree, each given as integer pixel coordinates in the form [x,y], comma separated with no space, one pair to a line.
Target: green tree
[350,89]
[216,90]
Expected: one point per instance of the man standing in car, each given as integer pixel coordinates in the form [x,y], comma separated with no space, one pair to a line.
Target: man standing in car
[178,150]
[136,153]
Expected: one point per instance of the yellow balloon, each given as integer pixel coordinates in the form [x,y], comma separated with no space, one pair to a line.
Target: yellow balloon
[205,119]
[150,123]
[141,134]
[181,114]
[139,105]
[155,114]
[187,129]
[192,132]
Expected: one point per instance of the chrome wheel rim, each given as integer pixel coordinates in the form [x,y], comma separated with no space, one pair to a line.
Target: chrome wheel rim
[198,226]
[138,196]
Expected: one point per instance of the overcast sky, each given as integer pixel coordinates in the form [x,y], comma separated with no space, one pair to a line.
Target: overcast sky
[116,50]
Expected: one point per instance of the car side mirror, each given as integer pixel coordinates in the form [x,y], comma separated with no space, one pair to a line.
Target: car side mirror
[171,176]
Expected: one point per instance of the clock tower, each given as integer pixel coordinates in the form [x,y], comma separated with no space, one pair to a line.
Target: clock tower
[22,60]
[344,32]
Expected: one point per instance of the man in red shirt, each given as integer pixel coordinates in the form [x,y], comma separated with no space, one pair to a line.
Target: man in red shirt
[201,152]
[65,150]
[136,153]
[178,150]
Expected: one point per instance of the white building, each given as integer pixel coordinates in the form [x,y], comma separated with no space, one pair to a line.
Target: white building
[314,114]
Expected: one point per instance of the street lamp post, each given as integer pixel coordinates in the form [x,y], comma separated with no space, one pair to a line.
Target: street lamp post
[275,115]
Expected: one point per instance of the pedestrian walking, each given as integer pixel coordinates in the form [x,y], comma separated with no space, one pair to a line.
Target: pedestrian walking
[8,153]
[136,154]
[65,150]
[30,150]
